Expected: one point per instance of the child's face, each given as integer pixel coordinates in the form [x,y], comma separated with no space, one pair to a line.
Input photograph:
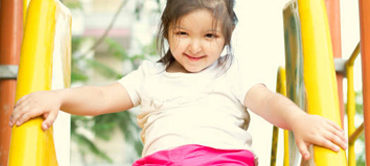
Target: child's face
[195,42]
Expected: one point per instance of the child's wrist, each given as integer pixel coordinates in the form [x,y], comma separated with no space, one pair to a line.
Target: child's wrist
[296,116]
[59,97]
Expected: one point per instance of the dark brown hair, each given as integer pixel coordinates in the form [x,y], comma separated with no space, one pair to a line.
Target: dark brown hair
[222,10]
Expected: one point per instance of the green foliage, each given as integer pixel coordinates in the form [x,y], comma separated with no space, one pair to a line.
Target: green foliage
[140,5]
[85,144]
[73,4]
[359,106]
[78,74]
[102,69]
[359,111]
[116,49]
[361,158]
[103,126]
[138,8]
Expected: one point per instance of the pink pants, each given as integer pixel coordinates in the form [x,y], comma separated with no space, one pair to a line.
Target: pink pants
[197,155]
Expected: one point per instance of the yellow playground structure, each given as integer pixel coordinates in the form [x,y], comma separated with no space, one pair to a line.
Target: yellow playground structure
[312,40]
[44,64]
[311,78]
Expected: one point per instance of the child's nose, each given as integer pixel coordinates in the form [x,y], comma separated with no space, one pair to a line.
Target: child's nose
[195,46]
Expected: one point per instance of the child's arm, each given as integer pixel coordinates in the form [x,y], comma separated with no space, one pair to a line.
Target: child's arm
[86,100]
[308,129]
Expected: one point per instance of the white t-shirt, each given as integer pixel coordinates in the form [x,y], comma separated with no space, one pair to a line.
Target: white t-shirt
[203,108]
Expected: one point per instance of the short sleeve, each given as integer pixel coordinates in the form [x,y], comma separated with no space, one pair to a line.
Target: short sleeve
[133,81]
[242,81]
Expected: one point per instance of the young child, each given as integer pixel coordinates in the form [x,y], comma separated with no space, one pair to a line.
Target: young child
[193,100]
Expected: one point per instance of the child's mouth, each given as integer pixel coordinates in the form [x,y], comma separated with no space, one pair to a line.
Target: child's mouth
[194,58]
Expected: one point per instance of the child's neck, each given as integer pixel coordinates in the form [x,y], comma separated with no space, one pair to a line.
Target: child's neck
[175,67]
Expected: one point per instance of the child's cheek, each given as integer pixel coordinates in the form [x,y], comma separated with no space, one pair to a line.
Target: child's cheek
[182,43]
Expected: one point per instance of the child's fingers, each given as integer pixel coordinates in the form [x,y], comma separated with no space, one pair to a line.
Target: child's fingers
[45,115]
[11,119]
[17,113]
[337,138]
[19,110]
[326,142]
[337,130]
[303,149]
[340,133]
[334,125]
[27,116]
[49,120]
[336,135]
[21,99]
[21,103]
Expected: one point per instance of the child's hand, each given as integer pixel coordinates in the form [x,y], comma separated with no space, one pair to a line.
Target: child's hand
[45,103]
[314,129]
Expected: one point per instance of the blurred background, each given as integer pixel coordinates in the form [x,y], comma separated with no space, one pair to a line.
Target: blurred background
[112,37]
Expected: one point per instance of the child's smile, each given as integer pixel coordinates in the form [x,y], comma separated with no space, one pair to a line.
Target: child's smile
[194,58]
[196,42]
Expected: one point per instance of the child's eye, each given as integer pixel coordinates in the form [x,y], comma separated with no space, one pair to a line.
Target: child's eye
[211,35]
[182,33]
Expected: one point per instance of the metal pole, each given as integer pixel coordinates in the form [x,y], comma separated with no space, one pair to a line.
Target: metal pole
[333,12]
[319,73]
[11,30]
[364,6]
[30,145]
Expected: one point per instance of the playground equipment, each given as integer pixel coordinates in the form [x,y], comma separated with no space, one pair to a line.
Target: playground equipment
[44,65]
[309,59]
[11,28]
